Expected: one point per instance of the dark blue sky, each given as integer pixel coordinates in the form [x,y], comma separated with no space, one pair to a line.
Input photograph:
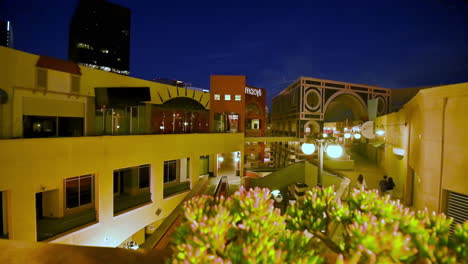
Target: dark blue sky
[393,44]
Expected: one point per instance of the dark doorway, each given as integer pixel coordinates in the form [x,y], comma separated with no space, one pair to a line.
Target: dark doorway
[39,211]
[70,127]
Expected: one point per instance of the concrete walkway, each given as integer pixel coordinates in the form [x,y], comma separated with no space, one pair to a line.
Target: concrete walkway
[371,172]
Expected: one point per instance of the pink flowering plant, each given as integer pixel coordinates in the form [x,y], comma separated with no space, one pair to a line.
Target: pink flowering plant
[367,228]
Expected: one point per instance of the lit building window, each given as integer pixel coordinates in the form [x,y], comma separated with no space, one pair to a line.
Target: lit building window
[105,51]
[227,97]
[237,97]
[217,97]
[84,46]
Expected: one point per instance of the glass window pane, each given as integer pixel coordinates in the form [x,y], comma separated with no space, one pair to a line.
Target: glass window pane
[72,192]
[116,181]
[172,171]
[166,171]
[144,181]
[86,190]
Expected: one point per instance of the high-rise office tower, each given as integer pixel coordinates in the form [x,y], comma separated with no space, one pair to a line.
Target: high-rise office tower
[6,34]
[100,36]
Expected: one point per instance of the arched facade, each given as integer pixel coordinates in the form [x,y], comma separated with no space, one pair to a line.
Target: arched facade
[345,105]
[310,99]
[180,115]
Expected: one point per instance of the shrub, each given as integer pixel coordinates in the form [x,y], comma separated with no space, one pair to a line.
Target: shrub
[368,228]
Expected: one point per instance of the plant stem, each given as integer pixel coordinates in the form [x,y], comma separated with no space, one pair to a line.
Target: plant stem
[330,244]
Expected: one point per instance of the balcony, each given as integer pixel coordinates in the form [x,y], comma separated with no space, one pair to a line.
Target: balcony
[50,227]
[176,189]
[254,133]
[124,202]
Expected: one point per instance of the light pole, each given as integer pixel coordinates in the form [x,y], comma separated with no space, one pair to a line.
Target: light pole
[323,143]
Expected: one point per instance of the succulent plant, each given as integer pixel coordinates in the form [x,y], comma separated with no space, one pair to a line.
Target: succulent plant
[367,228]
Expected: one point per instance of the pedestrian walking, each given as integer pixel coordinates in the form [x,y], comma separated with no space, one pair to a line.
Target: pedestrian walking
[383,185]
[361,183]
[390,186]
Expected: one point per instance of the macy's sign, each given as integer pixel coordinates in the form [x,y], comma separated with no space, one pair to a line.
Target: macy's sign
[253,91]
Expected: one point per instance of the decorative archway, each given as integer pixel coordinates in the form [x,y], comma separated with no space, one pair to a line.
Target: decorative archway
[345,105]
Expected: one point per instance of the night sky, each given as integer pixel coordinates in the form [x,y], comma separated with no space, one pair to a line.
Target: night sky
[393,44]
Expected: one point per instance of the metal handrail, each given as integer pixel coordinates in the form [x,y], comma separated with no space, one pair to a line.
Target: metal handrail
[223,181]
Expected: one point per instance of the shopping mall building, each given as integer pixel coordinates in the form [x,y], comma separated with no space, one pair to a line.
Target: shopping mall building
[90,157]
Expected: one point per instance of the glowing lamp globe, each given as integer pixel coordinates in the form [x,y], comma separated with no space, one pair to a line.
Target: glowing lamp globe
[220,159]
[308,148]
[325,135]
[347,135]
[357,136]
[334,151]
[380,132]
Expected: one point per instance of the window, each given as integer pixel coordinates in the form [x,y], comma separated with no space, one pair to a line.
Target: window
[42,78]
[131,187]
[217,97]
[106,51]
[170,171]
[237,97]
[79,191]
[176,177]
[84,46]
[144,176]
[227,97]
[75,84]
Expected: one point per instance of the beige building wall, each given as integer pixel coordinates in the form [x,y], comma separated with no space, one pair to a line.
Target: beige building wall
[436,145]
[28,166]
[18,77]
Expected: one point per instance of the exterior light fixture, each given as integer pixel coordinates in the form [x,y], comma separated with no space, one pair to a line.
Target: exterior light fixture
[236,159]
[220,159]
[357,136]
[325,135]
[380,132]
[347,135]
[308,148]
[118,126]
[322,143]
[334,151]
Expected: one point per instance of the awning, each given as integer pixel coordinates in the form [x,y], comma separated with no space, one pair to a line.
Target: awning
[114,97]
[377,144]
[58,65]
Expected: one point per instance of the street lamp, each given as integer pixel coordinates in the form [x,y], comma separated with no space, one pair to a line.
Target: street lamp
[323,144]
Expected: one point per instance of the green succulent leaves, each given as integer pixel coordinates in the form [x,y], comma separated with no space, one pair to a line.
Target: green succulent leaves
[367,228]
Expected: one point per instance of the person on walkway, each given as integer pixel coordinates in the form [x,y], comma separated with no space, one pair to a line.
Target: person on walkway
[361,183]
[383,185]
[390,186]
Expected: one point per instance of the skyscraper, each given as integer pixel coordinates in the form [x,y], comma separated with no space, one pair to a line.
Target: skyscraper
[100,36]
[6,34]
